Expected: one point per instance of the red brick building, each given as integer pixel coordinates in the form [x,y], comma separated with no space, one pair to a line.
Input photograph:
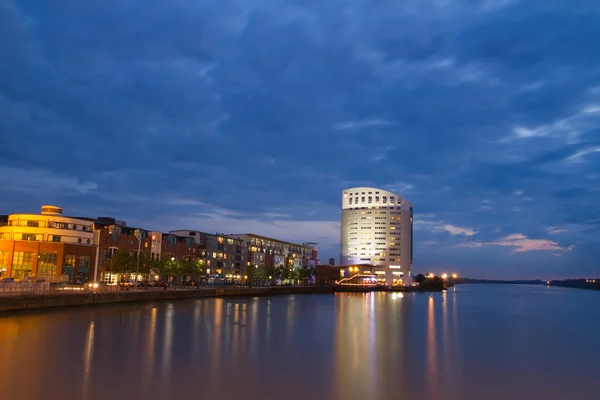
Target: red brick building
[115,235]
[54,247]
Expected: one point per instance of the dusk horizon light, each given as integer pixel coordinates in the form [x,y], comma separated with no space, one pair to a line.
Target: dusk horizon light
[253,116]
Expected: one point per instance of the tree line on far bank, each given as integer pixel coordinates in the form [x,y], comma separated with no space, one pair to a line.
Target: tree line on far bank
[124,263]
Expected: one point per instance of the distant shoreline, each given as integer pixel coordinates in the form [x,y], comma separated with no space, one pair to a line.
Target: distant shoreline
[502,282]
[592,284]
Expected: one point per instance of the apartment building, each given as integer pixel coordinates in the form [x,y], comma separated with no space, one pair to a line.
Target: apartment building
[222,254]
[262,250]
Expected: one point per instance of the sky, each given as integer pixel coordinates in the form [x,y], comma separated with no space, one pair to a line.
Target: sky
[239,116]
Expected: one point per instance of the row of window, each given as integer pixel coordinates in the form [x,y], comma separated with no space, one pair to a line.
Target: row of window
[22,263]
[51,224]
[33,237]
[279,246]
[375,207]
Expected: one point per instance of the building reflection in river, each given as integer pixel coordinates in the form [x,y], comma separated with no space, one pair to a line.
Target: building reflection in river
[452,345]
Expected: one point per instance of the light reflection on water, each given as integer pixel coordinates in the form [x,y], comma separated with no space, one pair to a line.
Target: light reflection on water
[475,342]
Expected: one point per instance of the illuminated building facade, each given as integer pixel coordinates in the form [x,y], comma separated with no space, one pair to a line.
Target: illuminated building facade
[377,229]
[55,247]
[222,254]
[269,252]
[49,245]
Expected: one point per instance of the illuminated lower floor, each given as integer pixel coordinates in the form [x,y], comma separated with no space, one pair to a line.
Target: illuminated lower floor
[361,274]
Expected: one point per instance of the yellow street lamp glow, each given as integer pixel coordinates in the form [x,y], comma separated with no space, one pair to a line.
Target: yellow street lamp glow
[444,276]
[430,276]
[454,276]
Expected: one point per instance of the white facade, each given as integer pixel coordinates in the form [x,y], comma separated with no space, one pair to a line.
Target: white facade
[377,229]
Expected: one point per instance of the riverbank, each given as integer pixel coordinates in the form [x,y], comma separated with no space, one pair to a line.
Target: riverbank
[86,298]
[29,302]
[591,284]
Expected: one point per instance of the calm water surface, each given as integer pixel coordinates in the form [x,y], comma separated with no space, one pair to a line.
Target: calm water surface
[476,342]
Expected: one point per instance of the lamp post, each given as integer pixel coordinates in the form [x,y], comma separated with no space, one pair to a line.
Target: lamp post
[137,268]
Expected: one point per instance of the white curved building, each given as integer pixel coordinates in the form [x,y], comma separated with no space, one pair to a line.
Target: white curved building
[377,229]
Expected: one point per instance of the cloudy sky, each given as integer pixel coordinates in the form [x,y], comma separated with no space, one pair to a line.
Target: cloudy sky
[253,116]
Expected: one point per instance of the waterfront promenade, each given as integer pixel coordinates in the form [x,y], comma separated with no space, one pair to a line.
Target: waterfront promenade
[36,297]
[25,300]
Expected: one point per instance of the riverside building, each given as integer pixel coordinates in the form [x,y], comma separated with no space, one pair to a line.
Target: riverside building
[48,245]
[377,229]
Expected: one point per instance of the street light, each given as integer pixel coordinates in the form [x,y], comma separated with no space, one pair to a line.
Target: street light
[430,276]
[454,276]
[138,234]
[444,276]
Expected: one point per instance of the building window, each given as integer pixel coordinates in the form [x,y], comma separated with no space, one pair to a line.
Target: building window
[33,224]
[22,264]
[47,264]
[54,238]
[3,261]
[69,268]
[70,260]
[83,270]
[30,237]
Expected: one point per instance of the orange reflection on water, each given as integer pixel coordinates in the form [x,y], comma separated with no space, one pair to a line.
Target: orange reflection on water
[356,368]
[445,334]
[432,367]
[87,360]
[150,346]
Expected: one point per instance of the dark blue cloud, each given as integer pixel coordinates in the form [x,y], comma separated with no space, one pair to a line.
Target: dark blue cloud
[253,115]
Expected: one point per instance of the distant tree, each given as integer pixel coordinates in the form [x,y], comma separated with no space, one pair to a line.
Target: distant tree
[294,275]
[251,274]
[311,273]
[420,278]
[270,273]
[200,267]
[122,262]
[260,273]
[144,264]
[432,284]
[158,266]
[173,268]
[188,267]
[279,273]
[307,273]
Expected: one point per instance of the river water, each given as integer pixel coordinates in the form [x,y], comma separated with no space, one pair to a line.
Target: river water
[475,342]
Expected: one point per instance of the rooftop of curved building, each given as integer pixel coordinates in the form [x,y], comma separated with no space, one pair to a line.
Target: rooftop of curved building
[373,191]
